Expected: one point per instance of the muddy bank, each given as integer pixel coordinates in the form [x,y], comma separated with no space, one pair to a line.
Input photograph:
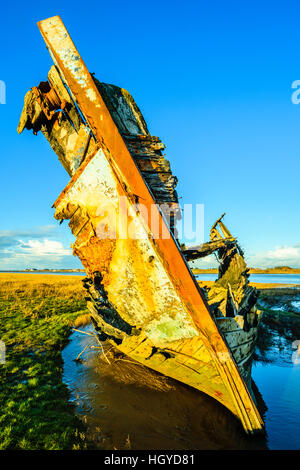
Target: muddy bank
[285,299]
[280,326]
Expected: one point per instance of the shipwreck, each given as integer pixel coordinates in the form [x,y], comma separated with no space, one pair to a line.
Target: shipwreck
[141,292]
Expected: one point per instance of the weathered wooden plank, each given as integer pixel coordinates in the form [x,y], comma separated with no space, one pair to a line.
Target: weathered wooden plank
[65,97]
[238,337]
[78,221]
[241,351]
[230,324]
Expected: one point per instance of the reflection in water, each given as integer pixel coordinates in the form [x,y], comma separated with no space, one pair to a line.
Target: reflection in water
[280,387]
[275,372]
[126,405]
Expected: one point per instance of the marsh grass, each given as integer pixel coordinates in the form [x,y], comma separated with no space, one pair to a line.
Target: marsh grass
[36,316]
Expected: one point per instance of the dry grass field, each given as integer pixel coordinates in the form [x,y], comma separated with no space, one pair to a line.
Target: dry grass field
[36,315]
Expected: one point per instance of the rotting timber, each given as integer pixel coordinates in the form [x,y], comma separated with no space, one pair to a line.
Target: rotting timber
[142,295]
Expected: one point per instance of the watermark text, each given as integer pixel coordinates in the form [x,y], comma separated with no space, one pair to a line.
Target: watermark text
[2,92]
[121,220]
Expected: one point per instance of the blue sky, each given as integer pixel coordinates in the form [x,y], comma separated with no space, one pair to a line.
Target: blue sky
[213,80]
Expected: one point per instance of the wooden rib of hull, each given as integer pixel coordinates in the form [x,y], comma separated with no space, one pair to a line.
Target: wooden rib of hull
[146,280]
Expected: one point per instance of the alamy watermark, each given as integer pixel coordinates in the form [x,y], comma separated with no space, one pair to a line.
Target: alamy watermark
[120,220]
[2,352]
[296,94]
[2,92]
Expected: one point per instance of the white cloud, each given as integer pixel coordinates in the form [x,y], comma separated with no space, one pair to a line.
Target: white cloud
[285,252]
[37,248]
[43,248]
[279,256]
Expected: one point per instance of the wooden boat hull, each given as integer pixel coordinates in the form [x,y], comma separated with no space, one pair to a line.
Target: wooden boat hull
[151,323]
[142,294]
[241,343]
